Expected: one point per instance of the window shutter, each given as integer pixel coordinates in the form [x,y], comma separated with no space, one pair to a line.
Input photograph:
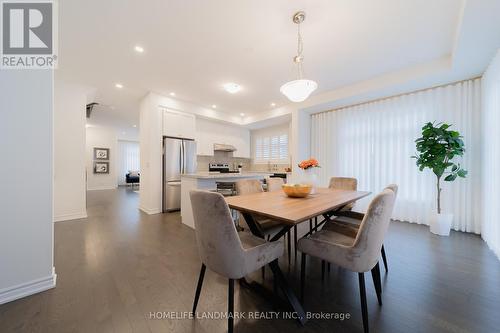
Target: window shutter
[271,148]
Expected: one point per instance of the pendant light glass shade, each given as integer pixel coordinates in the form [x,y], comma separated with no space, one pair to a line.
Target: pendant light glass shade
[298,90]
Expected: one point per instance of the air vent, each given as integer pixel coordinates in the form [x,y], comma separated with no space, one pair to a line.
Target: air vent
[90,107]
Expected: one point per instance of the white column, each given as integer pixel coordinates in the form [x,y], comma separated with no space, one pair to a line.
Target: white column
[26,225]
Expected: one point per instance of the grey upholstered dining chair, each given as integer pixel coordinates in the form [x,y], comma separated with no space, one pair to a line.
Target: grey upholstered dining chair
[249,186]
[344,183]
[222,250]
[359,253]
[340,183]
[274,184]
[350,221]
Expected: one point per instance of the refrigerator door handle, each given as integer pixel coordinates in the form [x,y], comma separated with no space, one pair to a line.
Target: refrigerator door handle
[180,158]
[183,158]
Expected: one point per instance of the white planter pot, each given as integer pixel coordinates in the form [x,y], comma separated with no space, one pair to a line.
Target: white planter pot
[441,224]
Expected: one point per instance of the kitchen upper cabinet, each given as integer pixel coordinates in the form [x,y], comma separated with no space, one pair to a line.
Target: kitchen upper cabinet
[242,144]
[204,144]
[179,124]
[210,132]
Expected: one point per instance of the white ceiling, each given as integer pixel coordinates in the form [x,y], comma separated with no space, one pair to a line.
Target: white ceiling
[193,47]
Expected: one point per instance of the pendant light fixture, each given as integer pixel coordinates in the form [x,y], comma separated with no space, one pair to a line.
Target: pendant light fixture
[300,89]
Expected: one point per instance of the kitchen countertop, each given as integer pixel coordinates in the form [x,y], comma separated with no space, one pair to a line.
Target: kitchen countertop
[209,175]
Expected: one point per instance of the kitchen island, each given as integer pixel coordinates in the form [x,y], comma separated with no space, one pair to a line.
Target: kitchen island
[208,181]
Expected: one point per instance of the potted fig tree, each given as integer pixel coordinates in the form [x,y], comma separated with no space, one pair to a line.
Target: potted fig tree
[436,150]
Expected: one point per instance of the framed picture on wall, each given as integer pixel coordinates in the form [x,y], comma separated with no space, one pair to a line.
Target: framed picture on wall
[101,153]
[101,167]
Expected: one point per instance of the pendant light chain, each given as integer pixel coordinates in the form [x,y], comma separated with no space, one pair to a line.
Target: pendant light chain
[300,47]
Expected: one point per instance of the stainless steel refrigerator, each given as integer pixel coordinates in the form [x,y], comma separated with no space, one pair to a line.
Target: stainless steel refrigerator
[179,157]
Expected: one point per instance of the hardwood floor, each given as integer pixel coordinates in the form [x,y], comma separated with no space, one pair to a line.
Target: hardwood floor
[119,266]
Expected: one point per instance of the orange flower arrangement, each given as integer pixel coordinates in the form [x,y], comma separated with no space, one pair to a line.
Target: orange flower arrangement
[310,163]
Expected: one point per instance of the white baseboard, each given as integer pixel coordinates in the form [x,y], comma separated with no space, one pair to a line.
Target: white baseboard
[29,288]
[67,217]
[150,211]
[102,188]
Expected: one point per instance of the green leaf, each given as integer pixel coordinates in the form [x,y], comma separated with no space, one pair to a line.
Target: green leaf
[454,168]
[451,177]
[462,173]
[438,171]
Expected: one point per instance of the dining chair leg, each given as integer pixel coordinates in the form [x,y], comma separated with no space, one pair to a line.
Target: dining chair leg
[302,276]
[230,306]
[323,263]
[316,222]
[310,225]
[384,258]
[288,238]
[377,282]
[198,287]
[364,308]
[295,241]
[263,270]
[328,267]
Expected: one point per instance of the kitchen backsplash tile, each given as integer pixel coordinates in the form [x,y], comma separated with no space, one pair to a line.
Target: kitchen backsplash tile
[269,167]
[247,163]
[223,157]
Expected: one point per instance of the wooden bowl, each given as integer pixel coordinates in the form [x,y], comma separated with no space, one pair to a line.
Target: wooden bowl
[297,190]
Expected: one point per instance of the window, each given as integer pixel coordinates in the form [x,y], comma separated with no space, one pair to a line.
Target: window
[270,145]
[128,159]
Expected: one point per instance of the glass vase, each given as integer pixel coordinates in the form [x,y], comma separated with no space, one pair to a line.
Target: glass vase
[310,177]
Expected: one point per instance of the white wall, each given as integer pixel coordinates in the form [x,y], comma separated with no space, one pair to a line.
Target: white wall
[151,154]
[69,151]
[491,155]
[101,137]
[300,141]
[26,227]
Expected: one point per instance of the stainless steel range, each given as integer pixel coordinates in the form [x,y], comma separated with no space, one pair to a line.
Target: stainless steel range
[221,168]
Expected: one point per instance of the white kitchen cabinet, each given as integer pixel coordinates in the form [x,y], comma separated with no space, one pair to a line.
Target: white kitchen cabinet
[179,124]
[210,132]
[242,144]
[204,144]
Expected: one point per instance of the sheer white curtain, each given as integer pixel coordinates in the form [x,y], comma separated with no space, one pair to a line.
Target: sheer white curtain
[490,228]
[374,141]
[128,159]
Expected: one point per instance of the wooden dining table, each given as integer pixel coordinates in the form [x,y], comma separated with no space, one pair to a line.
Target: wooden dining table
[290,212]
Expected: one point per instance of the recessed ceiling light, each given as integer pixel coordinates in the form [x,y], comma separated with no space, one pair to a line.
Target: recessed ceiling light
[232,87]
[134,125]
[172,94]
[214,106]
[242,114]
[119,85]
[87,125]
[273,104]
[139,49]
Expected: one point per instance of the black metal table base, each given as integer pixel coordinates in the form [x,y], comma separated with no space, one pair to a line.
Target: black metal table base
[279,278]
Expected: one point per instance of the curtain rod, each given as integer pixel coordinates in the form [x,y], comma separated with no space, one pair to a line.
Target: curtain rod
[398,95]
